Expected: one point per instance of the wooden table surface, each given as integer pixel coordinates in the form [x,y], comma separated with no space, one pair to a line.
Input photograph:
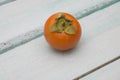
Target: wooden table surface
[25,55]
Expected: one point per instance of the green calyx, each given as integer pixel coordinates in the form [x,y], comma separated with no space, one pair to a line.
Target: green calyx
[63,24]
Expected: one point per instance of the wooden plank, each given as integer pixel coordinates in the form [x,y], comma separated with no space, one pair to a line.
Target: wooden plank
[21,39]
[110,72]
[97,68]
[36,60]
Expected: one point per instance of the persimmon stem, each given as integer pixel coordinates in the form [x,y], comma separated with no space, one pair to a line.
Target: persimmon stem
[63,24]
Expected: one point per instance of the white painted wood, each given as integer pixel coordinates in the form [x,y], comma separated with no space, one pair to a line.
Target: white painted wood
[28,36]
[110,72]
[37,61]
[22,16]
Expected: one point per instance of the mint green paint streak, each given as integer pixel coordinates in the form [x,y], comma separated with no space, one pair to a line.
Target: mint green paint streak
[2,2]
[24,38]
[92,9]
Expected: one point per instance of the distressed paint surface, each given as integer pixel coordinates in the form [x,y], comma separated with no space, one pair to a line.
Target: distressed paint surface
[110,72]
[3,2]
[10,44]
[35,60]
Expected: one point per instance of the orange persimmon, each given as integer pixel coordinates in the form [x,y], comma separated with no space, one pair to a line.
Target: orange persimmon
[62,31]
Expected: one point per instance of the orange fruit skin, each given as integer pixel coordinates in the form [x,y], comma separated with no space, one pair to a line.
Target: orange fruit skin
[62,41]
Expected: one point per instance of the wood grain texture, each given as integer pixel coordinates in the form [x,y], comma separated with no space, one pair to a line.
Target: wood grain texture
[10,44]
[19,40]
[98,67]
[36,60]
[109,72]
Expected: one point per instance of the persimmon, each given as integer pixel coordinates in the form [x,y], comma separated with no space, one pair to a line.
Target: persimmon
[62,31]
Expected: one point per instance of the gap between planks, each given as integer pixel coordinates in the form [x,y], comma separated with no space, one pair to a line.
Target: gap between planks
[97,68]
[26,37]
